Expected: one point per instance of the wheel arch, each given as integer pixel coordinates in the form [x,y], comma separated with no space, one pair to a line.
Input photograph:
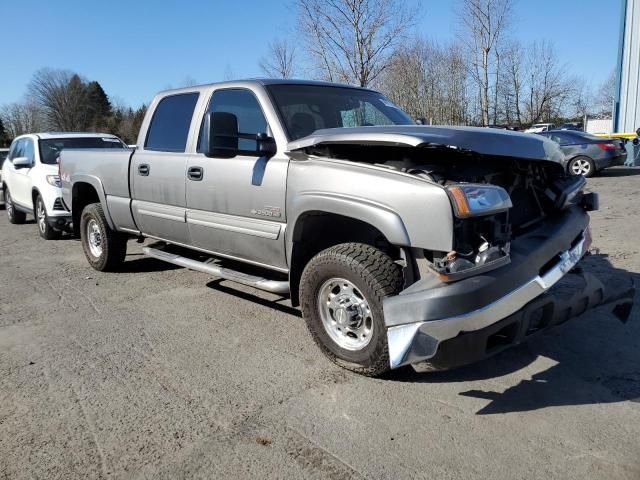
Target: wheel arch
[85,190]
[34,195]
[315,229]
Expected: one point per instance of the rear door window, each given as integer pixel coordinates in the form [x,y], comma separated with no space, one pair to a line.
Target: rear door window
[169,129]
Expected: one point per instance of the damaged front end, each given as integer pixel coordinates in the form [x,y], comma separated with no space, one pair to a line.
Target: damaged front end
[475,318]
[520,228]
[486,222]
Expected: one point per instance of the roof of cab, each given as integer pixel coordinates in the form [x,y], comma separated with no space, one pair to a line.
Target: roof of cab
[254,82]
[49,135]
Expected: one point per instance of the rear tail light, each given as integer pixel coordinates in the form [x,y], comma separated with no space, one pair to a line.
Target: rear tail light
[607,146]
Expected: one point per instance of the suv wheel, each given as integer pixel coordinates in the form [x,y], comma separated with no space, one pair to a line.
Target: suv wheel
[104,248]
[46,231]
[14,215]
[341,293]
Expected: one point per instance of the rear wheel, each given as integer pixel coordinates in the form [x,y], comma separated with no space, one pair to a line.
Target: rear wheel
[104,248]
[341,293]
[582,166]
[45,230]
[14,215]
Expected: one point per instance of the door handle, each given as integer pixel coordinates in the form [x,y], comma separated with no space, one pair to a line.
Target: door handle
[143,169]
[195,173]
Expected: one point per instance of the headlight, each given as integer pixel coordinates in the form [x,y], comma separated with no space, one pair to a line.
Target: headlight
[54,180]
[471,200]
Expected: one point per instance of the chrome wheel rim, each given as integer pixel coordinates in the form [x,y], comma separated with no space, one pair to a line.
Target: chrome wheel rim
[345,313]
[41,217]
[8,204]
[580,167]
[94,238]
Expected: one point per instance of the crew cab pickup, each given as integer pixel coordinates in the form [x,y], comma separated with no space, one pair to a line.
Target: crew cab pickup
[403,244]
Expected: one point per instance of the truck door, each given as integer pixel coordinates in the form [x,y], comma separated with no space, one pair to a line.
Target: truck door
[158,170]
[236,206]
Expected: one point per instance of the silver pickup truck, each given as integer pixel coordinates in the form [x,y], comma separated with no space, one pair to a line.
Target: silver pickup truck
[403,244]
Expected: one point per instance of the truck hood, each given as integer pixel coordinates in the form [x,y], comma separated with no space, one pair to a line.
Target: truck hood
[484,141]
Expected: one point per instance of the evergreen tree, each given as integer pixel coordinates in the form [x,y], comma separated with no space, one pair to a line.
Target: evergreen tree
[98,106]
[77,116]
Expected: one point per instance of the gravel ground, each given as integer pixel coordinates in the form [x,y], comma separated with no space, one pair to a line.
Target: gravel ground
[159,372]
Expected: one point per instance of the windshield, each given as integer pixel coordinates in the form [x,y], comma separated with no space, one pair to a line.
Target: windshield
[50,149]
[307,108]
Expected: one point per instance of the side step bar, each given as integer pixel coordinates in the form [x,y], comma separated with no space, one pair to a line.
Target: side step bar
[260,283]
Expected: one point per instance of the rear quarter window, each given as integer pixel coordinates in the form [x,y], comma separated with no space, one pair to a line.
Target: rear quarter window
[170,124]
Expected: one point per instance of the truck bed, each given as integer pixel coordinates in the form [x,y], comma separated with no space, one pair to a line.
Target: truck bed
[108,172]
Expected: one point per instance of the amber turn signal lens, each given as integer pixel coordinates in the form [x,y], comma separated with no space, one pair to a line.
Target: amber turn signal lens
[462,207]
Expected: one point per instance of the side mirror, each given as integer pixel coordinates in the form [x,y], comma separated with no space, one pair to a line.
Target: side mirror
[22,162]
[222,138]
[635,141]
[421,121]
[221,134]
[266,145]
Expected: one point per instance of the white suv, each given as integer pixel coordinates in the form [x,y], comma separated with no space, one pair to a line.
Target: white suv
[540,127]
[30,179]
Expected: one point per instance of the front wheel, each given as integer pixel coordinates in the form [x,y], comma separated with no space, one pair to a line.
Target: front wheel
[45,230]
[582,166]
[104,248]
[341,293]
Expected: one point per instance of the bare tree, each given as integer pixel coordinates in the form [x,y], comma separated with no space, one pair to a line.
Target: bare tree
[548,87]
[351,40]
[280,60]
[428,81]
[605,96]
[20,118]
[580,98]
[484,23]
[62,97]
[512,79]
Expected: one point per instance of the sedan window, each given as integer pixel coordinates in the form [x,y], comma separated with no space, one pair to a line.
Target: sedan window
[558,137]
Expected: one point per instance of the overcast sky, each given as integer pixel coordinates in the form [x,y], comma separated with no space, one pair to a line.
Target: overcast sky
[135,48]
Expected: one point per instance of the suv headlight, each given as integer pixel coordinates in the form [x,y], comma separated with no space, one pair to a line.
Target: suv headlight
[471,200]
[54,180]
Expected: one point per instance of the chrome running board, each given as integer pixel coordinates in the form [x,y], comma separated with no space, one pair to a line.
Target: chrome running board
[273,286]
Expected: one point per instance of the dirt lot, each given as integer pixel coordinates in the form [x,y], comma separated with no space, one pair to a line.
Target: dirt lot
[157,372]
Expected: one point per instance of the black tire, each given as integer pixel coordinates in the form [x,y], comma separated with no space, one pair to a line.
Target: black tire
[16,217]
[113,245]
[586,162]
[45,230]
[376,276]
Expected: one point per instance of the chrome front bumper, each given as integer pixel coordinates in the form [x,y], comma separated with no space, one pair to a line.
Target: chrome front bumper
[427,335]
